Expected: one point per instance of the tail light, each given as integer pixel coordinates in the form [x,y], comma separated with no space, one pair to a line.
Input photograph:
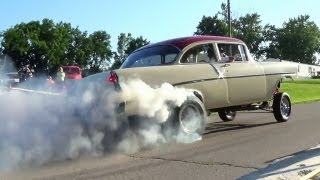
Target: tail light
[113,78]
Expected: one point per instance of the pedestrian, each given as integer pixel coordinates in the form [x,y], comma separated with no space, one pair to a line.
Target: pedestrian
[60,79]
[50,83]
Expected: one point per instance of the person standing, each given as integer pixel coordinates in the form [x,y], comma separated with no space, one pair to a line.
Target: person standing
[60,79]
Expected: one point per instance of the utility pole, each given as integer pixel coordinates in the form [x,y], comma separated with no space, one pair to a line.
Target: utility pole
[229,18]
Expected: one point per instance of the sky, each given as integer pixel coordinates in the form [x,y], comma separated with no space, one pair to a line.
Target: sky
[154,20]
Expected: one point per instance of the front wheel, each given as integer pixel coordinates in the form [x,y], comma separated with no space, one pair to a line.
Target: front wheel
[281,107]
[227,115]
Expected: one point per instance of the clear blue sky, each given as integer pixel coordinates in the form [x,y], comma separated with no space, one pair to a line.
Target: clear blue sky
[153,19]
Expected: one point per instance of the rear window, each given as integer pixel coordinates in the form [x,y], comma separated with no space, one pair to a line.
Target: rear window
[153,56]
[71,70]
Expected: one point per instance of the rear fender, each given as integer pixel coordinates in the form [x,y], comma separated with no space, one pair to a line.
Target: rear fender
[197,93]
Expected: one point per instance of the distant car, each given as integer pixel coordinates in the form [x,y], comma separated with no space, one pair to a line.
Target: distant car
[72,72]
[218,84]
[11,79]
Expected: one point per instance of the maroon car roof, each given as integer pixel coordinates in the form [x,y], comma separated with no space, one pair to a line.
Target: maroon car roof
[185,41]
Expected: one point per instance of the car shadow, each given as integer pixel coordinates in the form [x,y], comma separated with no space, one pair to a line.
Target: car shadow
[216,127]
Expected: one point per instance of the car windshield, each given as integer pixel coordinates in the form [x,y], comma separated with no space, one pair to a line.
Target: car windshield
[153,56]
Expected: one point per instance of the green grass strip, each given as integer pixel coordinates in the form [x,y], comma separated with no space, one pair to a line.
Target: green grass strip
[302,91]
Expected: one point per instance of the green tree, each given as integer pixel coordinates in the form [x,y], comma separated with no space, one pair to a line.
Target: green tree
[100,51]
[119,56]
[249,29]
[79,48]
[37,44]
[46,45]
[270,47]
[136,43]
[212,26]
[299,40]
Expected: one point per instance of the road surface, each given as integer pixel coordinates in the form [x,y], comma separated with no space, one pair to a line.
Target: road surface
[229,150]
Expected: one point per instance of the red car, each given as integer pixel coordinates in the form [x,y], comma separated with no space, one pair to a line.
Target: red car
[72,72]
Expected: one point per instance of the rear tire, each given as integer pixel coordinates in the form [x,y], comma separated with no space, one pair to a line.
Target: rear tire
[189,118]
[281,107]
[227,115]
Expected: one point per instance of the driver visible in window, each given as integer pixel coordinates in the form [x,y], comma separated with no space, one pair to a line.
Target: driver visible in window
[224,57]
[210,54]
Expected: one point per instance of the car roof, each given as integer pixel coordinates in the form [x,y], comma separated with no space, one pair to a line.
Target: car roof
[182,42]
[71,67]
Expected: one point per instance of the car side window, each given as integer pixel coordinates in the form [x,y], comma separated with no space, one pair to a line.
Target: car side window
[203,53]
[169,58]
[235,51]
[242,53]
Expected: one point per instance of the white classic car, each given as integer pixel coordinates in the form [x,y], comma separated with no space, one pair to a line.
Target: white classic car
[219,71]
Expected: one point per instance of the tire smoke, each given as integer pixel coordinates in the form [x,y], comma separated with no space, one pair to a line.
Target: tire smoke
[36,129]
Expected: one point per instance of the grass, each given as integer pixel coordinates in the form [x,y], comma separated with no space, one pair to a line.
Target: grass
[302,91]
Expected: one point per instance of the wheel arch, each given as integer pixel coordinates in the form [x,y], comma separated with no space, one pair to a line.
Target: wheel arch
[199,95]
[277,85]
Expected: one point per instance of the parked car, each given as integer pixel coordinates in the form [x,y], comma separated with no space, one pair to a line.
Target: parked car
[218,84]
[72,72]
[10,79]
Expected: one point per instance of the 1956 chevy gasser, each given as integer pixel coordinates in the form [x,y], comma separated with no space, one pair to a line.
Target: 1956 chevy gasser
[219,71]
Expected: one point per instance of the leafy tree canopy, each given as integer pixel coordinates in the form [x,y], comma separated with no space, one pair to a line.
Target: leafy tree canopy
[45,45]
[298,40]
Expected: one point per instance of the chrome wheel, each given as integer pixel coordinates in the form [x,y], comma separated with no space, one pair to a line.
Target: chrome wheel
[189,118]
[281,107]
[227,115]
[285,107]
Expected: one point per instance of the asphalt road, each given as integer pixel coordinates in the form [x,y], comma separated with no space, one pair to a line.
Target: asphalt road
[227,151]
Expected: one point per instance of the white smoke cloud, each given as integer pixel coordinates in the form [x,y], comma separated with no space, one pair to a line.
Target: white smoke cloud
[36,128]
[152,102]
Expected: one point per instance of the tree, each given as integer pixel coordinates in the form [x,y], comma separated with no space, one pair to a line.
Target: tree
[270,48]
[79,48]
[45,45]
[299,40]
[120,55]
[126,45]
[136,43]
[249,29]
[212,26]
[36,44]
[100,51]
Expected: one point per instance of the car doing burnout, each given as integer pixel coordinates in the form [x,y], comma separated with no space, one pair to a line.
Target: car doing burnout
[198,64]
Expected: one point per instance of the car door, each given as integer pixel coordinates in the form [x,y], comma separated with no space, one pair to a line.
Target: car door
[214,87]
[245,79]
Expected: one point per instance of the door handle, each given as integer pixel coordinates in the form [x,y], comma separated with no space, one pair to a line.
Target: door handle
[226,65]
